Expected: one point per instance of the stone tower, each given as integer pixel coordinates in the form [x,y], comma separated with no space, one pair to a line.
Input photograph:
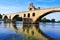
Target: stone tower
[31,7]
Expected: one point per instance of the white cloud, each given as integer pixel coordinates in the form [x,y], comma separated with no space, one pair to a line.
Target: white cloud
[11,9]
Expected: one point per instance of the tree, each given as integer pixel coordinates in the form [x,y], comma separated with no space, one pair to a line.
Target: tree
[48,20]
[0,16]
[44,19]
[19,19]
[52,20]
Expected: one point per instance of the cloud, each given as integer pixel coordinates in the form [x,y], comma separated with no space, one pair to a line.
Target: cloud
[12,9]
[4,10]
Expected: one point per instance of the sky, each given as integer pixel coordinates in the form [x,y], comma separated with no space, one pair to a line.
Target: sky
[12,6]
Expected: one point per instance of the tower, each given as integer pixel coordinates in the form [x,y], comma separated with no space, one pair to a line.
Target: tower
[31,7]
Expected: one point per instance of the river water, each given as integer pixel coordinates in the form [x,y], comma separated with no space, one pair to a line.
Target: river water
[13,31]
[51,29]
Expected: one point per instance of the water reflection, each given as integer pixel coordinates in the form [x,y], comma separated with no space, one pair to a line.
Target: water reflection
[8,31]
[30,30]
[14,26]
[40,31]
[51,29]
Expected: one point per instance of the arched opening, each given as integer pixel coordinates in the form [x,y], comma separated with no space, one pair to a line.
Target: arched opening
[50,27]
[5,18]
[17,18]
[28,14]
[33,14]
[30,9]
[24,15]
[39,18]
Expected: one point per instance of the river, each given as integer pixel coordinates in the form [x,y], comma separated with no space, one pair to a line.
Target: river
[17,30]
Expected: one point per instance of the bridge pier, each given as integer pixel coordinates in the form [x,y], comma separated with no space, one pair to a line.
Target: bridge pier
[24,22]
[36,22]
[7,20]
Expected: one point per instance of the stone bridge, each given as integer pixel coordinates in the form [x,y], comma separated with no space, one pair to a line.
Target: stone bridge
[33,14]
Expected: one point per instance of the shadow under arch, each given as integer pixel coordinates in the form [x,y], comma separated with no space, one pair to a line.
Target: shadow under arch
[5,18]
[39,18]
[14,18]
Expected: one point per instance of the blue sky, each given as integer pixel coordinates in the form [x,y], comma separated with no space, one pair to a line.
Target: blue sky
[12,6]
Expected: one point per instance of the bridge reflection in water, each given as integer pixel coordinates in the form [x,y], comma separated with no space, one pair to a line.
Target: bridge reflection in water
[32,30]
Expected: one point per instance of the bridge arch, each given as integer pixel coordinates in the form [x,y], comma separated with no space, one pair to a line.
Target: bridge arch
[14,18]
[5,18]
[44,14]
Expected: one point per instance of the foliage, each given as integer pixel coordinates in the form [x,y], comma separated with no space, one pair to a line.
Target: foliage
[0,16]
[19,19]
[52,20]
[47,20]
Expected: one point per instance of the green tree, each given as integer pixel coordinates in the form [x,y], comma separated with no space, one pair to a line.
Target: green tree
[52,20]
[48,20]
[19,19]
[0,16]
[44,19]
